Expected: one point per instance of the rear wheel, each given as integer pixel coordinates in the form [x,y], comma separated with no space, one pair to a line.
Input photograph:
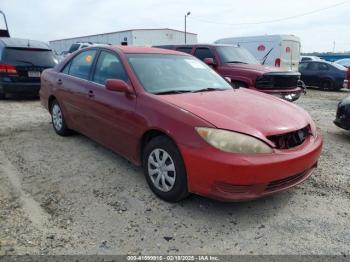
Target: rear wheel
[165,170]
[327,84]
[58,121]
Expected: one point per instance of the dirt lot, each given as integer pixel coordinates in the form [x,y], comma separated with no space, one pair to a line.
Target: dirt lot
[72,196]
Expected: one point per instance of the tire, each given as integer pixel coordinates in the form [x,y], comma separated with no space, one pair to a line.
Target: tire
[237,84]
[2,96]
[165,170]
[58,122]
[327,84]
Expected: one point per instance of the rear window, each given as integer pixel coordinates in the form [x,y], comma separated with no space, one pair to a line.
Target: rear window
[26,56]
[340,67]
[236,55]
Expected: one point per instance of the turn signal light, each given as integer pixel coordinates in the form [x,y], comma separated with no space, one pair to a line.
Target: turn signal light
[8,69]
[278,62]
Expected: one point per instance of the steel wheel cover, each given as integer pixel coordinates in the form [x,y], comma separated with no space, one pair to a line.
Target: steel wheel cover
[161,170]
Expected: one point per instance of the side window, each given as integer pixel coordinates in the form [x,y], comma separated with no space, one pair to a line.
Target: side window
[81,64]
[203,52]
[323,67]
[312,66]
[185,49]
[302,66]
[109,67]
[66,68]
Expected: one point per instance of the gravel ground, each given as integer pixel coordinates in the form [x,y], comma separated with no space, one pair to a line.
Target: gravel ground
[73,196]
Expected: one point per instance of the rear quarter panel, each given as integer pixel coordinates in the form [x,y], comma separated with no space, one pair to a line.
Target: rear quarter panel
[46,87]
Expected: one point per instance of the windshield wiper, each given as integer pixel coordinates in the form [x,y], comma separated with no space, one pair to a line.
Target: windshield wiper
[236,62]
[172,92]
[208,89]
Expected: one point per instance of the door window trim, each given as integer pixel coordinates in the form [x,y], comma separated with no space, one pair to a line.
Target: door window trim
[69,63]
[93,71]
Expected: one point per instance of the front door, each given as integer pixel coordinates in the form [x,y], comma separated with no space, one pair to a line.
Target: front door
[112,113]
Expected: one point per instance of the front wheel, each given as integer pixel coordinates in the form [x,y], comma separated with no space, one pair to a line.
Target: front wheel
[165,170]
[58,121]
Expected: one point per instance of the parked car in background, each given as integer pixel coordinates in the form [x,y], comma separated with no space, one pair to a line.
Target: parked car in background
[275,50]
[344,62]
[21,64]
[188,128]
[78,46]
[342,119]
[244,70]
[305,58]
[324,75]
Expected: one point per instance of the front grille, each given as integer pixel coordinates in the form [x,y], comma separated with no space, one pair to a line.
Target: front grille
[340,111]
[290,140]
[277,81]
[232,189]
[285,182]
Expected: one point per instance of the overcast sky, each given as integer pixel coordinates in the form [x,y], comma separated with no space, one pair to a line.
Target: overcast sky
[51,19]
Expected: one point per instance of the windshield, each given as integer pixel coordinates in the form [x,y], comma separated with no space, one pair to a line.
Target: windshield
[338,66]
[232,54]
[31,57]
[174,73]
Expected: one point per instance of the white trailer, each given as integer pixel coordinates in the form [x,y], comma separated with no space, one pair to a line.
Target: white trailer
[138,37]
[275,50]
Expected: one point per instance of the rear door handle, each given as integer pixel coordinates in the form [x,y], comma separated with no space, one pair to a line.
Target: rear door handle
[91,93]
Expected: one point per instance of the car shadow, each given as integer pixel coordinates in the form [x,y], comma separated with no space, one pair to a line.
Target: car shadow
[18,98]
[343,90]
[195,204]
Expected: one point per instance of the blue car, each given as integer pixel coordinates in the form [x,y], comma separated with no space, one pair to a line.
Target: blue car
[324,75]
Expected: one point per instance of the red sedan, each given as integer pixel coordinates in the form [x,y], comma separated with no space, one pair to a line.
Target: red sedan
[181,121]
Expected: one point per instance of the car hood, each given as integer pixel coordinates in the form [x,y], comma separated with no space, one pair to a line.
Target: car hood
[244,111]
[258,68]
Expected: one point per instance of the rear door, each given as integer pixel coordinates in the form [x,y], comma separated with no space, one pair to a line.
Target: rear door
[73,92]
[290,55]
[29,63]
[309,73]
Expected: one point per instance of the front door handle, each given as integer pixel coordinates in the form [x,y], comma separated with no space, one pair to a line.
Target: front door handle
[91,93]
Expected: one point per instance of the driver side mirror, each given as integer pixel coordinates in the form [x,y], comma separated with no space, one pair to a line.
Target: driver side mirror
[116,85]
[210,61]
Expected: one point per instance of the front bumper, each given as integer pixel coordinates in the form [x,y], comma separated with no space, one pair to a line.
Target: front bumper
[342,119]
[286,94]
[20,88]
[234,177]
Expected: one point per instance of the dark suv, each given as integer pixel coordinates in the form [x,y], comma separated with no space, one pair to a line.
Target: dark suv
[21,64]
[244,70]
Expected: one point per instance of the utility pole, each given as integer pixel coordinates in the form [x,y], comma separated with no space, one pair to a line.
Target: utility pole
[333,47]
[186,15]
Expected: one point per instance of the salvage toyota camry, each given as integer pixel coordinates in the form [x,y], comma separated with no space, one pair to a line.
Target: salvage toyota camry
[181,121]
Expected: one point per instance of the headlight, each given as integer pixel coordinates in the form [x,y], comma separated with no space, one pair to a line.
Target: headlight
[233,142]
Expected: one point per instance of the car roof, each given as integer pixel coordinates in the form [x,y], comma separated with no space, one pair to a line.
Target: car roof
[144,50]
[197,45]
[22,43]
[343,59]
